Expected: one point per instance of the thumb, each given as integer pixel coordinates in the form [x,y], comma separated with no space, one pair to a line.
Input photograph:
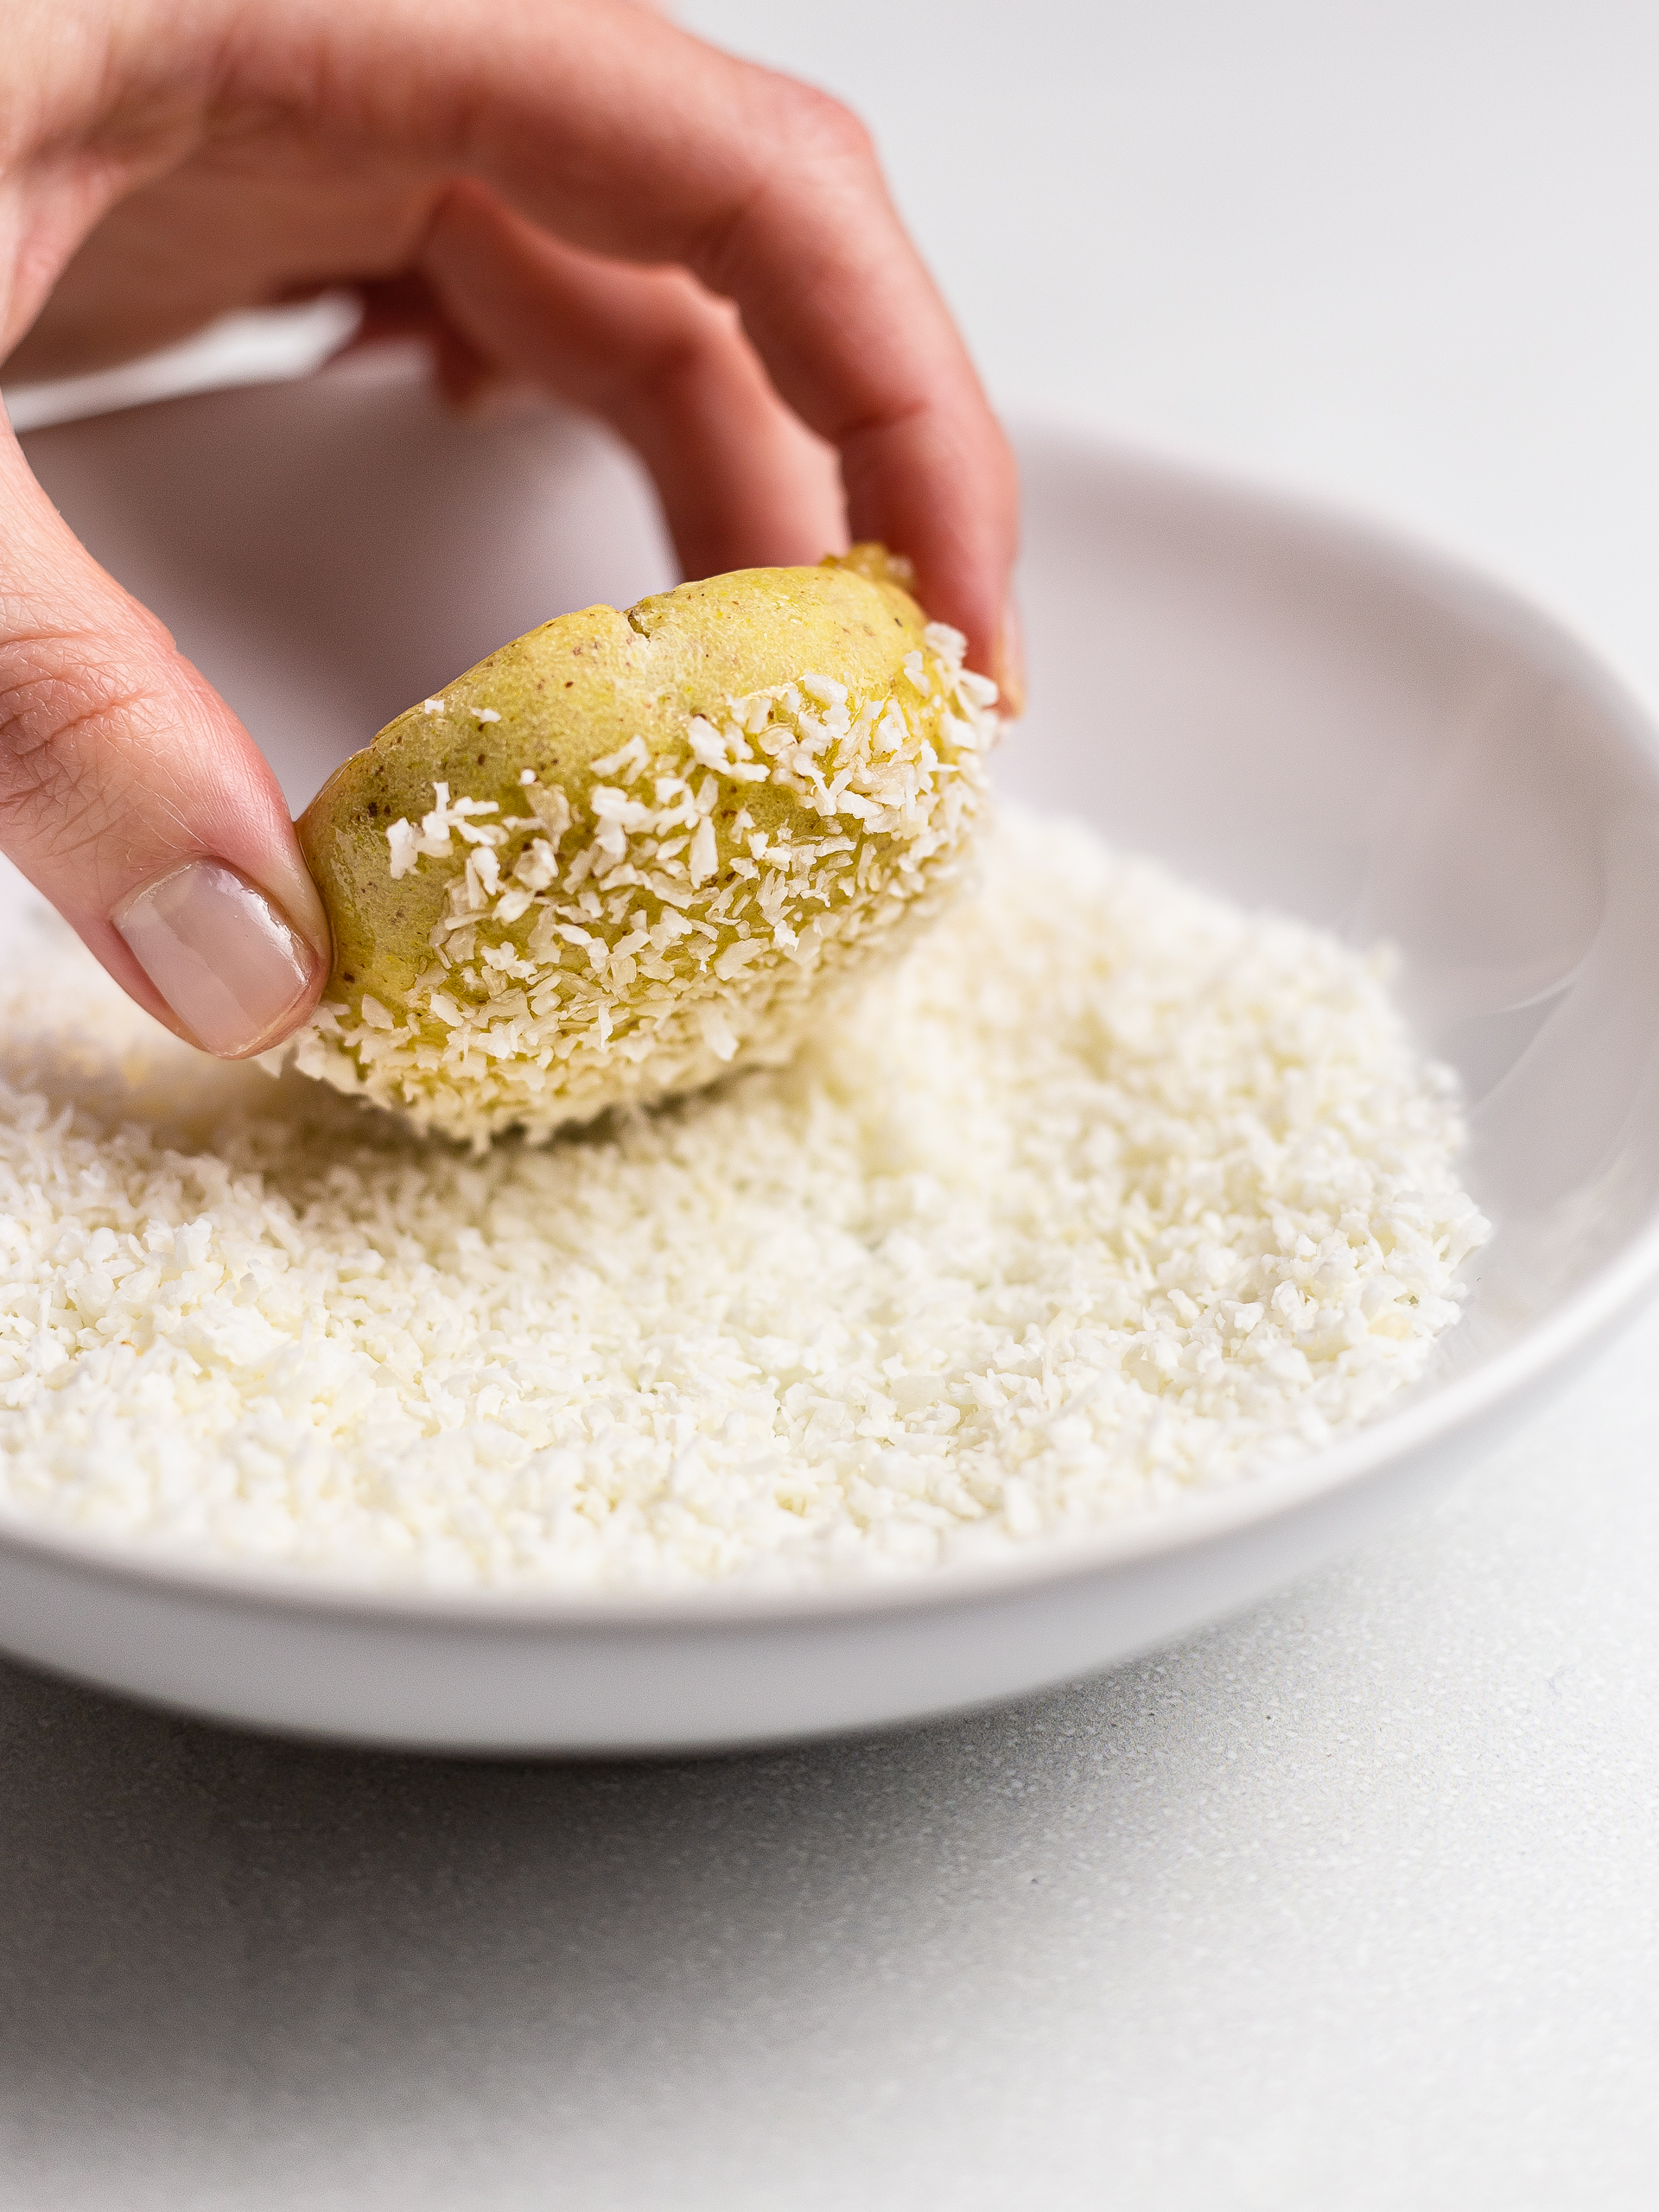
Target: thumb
[134,800]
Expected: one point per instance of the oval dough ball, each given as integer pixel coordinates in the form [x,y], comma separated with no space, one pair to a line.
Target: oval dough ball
[631,851]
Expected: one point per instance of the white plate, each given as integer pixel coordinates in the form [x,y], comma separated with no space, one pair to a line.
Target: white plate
[1283,705]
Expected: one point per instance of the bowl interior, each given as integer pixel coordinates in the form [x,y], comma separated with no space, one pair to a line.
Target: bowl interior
[1278,704]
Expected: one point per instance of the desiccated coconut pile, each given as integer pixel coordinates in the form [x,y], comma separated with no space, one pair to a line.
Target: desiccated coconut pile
[1108,1193]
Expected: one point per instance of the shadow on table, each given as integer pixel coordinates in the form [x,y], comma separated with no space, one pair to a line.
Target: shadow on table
[215,1945]
[166,1882]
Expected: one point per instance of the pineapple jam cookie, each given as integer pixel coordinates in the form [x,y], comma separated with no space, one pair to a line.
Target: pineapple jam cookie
[632,851]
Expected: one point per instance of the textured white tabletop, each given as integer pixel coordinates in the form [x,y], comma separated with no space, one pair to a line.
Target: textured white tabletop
[1348,1904]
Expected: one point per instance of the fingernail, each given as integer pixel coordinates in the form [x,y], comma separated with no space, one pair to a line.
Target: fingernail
[1011,663]
[226,961]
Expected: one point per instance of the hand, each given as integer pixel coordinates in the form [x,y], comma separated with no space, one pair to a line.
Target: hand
[570,192]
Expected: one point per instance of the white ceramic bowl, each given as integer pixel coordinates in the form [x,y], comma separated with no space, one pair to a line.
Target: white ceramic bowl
[1281,704]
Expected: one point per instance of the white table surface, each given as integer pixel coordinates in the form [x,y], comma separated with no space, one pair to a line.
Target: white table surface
[1348,1904]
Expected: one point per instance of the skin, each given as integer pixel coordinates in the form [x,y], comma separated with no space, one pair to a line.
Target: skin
[571,693]
[572,194]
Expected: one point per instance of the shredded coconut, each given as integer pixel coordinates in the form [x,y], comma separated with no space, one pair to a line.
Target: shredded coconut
[1106,1193]
[612,944]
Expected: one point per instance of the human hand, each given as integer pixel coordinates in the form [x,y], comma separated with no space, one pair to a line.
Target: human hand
[572,193]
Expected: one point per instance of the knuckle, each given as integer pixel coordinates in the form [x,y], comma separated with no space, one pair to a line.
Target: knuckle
[803,151]
[815,127]
[695,344]
[67,713]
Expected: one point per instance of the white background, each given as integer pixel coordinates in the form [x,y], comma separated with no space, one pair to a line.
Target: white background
[1350,1903]
[1401,251]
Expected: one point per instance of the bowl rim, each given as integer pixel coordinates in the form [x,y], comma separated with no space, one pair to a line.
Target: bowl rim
[1609,1295]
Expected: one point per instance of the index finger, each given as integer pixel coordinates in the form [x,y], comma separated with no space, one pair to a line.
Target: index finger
[623,134]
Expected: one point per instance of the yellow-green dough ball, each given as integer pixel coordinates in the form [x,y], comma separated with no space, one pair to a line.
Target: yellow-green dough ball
[631,851]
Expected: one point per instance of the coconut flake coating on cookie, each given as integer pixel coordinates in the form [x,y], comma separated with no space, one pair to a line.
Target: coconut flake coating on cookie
[630,852]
